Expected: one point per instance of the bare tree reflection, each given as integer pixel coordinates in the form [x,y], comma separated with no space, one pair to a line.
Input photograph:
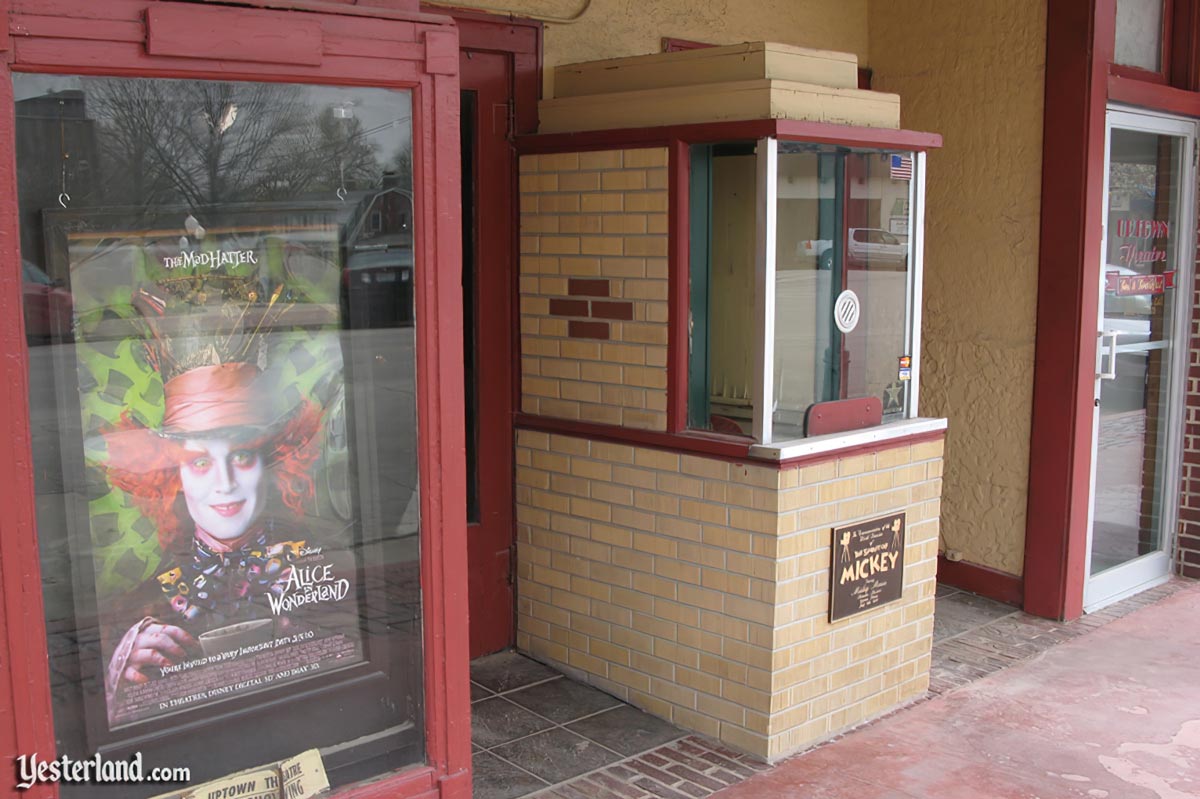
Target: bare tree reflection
[201,143]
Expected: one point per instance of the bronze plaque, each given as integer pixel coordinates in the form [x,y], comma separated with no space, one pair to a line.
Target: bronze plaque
[868,566]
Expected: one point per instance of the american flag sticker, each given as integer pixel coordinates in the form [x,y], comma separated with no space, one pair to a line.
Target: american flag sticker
[901,167]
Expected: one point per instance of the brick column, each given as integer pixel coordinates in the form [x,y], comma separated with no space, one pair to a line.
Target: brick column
[1188,543]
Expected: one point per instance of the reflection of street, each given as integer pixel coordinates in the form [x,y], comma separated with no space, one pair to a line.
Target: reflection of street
[1127,392]
[1118,489]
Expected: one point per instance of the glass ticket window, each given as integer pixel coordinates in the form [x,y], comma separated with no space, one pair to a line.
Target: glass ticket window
[218,301]
[804,274]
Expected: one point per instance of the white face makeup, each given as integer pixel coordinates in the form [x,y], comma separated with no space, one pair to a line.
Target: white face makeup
[224,486]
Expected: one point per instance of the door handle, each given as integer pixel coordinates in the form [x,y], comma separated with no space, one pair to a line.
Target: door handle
[1111,372]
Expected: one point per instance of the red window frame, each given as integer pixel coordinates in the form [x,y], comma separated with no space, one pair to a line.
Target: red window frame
[362,46]
[1165,71]
[678,437]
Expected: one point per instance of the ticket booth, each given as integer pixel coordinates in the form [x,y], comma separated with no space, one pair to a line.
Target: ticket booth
[232,532]
[727,500]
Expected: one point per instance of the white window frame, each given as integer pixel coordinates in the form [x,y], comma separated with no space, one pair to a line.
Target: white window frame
[767,153]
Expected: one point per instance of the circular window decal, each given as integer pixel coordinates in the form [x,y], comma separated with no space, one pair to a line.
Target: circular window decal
[845,311]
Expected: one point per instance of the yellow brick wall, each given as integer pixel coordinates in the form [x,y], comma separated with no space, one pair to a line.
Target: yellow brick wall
[827,677]
[697,589]
[593,286]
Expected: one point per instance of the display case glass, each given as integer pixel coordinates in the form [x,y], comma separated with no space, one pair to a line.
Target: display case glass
[219,311]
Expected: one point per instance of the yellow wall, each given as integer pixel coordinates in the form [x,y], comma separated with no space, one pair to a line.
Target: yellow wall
[616,28]
[974,72]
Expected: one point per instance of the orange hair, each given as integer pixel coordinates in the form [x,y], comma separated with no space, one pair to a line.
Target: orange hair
[149,467]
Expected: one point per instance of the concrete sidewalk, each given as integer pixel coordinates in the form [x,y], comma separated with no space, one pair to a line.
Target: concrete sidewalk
[1114,714]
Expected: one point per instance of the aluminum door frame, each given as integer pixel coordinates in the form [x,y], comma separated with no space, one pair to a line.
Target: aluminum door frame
[1153,568]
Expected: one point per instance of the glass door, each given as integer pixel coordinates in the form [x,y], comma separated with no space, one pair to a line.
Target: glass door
[1150,171]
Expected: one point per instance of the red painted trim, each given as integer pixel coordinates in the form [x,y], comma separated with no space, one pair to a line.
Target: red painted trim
[838,416]
[1185,46]
[1138,74]
[726,448]
[518,37]
[713,446]
[673,45]
[440,409]
[1153,95]
[1079,49]
[403,9]
[1167,56]
[518,40]
[678,270]
[982,580]
[748,130]
[26,718]
[1163,73]
[183,31]
[416,783]
[25,707]
[489,75]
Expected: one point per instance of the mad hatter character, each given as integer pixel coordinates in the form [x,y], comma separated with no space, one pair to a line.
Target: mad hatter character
[209,477]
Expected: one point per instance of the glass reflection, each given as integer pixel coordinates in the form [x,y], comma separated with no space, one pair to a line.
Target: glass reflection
[218,297]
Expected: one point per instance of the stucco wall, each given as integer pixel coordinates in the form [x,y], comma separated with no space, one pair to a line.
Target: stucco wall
[615,28]
[974,72]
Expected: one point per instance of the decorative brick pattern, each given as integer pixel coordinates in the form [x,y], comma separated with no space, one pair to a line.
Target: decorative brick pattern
[1006,642]
[1187,547]
[697,767]
[594,286]
[691,768]
[697,589]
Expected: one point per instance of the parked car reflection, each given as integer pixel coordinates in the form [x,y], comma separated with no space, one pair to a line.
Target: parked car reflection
[876,246]
[867,246]
[377,286]
[48,310]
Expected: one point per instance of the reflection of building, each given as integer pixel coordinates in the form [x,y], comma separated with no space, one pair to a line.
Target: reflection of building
[378,280]
[630,521]
[57,155]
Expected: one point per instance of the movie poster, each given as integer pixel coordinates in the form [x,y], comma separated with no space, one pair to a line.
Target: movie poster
[210,383]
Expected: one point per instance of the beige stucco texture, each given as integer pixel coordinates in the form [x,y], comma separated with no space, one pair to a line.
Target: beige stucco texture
[974,72]
[698,589]
[615,28]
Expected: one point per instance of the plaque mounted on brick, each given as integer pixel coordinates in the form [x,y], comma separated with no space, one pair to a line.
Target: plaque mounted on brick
[868,565]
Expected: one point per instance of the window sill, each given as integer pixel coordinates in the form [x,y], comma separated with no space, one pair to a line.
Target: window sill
[834,442]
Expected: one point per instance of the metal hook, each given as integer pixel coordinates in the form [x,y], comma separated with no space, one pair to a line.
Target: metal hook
[63,198]
[341,194]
